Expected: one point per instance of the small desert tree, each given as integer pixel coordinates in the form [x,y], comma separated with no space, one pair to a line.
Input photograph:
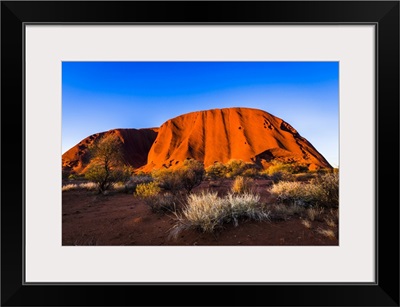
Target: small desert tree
[107,163]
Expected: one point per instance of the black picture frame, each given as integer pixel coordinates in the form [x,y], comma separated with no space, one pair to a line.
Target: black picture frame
[383,14]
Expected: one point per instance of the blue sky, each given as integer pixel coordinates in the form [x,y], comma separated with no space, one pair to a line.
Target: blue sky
[99,96]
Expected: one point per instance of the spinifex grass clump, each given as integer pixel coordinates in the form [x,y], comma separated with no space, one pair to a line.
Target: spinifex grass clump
[207,211]
[242,185]
[321,191]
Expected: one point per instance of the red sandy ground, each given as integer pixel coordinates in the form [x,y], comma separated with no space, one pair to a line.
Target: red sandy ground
[122,219]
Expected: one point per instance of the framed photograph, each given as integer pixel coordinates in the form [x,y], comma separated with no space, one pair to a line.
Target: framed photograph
[200,148]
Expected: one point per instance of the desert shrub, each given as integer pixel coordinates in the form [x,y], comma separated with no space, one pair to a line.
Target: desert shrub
[168,180]
[315,213]
[287,167]
[74,177]
[187,177]
[65,174]
[302,194]
[250,172]
[285,211]
[329,183]
[192,174]
[304,176]
[145,190]
[207,211]
[162,203]
[217,170]
[279,171]
[242,185]
[235,168]
[141,178]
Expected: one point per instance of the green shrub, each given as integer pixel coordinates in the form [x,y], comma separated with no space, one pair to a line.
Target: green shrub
[242,185]
[329,183]
[189,176]
[162,203]
[251,172]
[283,171]
[168,180]
[235,168]
[216,171]
[145,190]
[192,174]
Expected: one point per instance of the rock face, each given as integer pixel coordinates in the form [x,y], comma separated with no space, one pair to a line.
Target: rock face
[217,135]
[136,144]
[220,135]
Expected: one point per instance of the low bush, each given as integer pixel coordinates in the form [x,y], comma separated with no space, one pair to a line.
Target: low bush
[286,167]
[168,180]
[163,202]
[192,174]
[216,171]
[285,211]
[187,177]
[329,183]
[145,190]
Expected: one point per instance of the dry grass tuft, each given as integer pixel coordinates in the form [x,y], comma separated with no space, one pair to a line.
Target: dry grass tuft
[207,211]
[70,186]
[284,211]
[306,223]
[315,213]
[242,185]
[327,233]
[330,222]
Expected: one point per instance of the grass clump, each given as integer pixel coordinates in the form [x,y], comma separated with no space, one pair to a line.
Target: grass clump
[286,211]
[242,185]
[327,233]
[89,186]
[163,203]
[322,191]
[306,223]
[207,211]
[70,186]
[329,183]
[298,193]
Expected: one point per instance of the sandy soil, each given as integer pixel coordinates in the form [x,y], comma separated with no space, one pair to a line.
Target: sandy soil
[122,219]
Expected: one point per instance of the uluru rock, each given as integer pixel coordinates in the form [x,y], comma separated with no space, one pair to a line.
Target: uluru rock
[221,135]
[136,144]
